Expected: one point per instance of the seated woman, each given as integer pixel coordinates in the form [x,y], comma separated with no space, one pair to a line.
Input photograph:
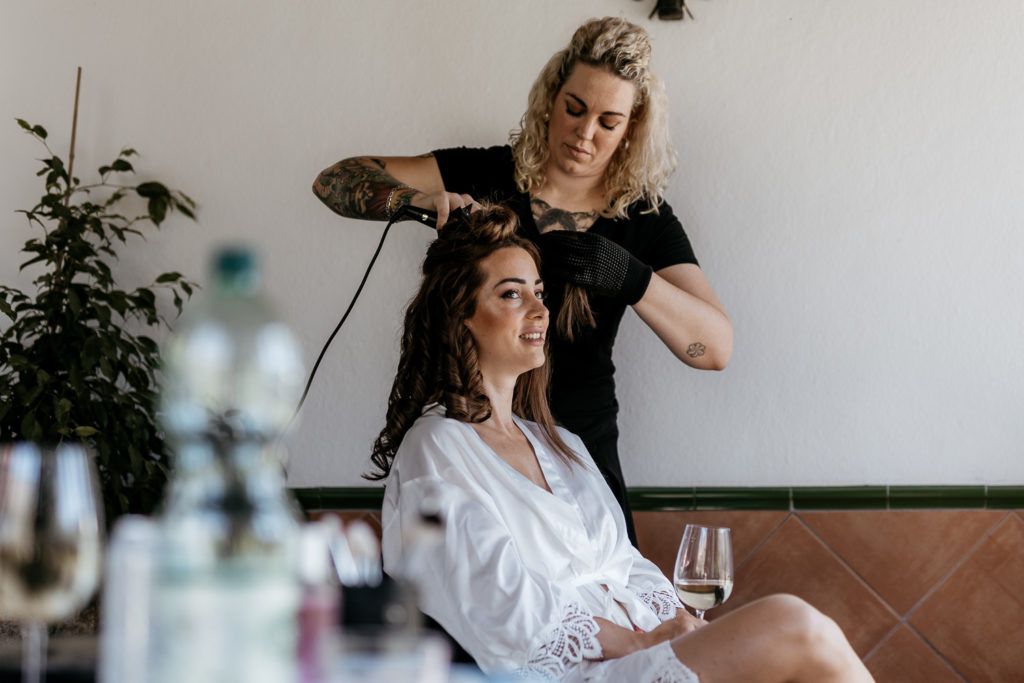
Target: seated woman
[535,573]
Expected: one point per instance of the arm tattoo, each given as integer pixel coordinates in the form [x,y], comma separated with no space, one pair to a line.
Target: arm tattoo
[550,218]
[696,350]
[359,188]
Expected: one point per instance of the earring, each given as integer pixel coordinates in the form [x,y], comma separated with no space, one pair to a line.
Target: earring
[625,144]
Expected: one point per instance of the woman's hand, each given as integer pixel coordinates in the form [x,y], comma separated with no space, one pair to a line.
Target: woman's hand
[681,624]
[443,203]
[595,262]
[617,641]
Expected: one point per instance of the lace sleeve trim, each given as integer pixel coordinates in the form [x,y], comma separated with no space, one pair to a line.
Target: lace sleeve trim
[662,602]
[565,644]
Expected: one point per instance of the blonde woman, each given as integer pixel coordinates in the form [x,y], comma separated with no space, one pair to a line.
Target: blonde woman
[586,175]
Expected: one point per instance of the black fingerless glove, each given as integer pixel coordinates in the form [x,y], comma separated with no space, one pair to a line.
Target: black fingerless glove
[595,262]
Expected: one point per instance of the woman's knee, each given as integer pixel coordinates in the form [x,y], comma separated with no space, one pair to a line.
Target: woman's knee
[809,631]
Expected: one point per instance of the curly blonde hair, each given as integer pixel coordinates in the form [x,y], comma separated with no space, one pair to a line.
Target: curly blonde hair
[642,164]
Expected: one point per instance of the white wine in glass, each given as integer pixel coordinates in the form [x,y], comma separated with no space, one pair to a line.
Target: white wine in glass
[703,572]
[51,537]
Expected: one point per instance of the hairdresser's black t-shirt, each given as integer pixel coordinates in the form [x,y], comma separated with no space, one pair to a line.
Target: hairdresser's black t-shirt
[582,382]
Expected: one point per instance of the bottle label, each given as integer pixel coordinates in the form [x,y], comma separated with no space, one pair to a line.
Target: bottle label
[226,627]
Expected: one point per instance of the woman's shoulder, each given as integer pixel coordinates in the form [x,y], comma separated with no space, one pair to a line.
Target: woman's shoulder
[656,238]
[650,213]
[434,428]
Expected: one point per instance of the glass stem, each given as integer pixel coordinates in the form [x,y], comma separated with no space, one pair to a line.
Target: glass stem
[33,652]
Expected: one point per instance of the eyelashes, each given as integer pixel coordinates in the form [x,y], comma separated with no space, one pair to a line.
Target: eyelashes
[576,114]
[516,294]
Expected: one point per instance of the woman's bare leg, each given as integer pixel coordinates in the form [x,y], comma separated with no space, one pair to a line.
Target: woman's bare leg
[778,638]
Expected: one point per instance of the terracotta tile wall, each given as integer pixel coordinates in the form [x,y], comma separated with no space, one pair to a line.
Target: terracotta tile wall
[923,595]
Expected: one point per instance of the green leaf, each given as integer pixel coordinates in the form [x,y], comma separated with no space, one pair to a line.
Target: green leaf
[169,277]
[185,210]
[157,209]
[121,165]
[107,368]
[28,263]
[64,407]
[147,344]
[40,131]
[85,432]
[152,189]
[30,429]
[144,298]
[74,304]
[90,353]
[24,124]
[119,302]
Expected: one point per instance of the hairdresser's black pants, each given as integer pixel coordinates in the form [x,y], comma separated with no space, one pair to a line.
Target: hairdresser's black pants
[601,437]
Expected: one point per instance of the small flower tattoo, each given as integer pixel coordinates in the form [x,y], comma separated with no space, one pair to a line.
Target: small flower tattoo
[696,350]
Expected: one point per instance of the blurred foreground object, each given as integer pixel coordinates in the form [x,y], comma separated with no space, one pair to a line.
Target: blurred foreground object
[51,539]
[226,593]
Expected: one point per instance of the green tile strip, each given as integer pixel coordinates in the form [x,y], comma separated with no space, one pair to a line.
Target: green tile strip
[840,498]
[340,498]
[741,498]
[760,498]
[912,497]
[1004,497]
[662,498]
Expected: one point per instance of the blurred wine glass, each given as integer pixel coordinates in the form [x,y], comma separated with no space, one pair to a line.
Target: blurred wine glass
[703,572]
[51,536]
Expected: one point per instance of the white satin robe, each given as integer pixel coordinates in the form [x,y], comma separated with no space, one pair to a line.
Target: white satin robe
[521,573]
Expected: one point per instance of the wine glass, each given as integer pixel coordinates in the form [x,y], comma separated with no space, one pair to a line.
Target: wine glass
[51,533]
[703,572]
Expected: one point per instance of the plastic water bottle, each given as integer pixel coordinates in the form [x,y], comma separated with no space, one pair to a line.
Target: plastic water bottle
[226,594]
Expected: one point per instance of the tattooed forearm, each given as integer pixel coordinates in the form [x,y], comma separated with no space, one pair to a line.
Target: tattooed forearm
[696,350]
[359,188]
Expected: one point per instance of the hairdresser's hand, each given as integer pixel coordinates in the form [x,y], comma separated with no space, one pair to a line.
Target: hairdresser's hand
[443,203]
[595,262]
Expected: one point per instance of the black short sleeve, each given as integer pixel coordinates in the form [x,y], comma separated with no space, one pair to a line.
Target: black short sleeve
[657,239]
[668,245]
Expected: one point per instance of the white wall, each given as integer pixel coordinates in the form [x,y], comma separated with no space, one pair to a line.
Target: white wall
[851,177]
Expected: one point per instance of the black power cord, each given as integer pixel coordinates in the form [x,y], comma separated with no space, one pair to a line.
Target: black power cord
[407,212]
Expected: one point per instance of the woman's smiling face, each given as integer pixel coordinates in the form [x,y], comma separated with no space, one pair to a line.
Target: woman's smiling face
[588,120]
[509,325]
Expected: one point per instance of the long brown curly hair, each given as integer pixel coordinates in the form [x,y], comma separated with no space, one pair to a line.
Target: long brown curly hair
[438,359]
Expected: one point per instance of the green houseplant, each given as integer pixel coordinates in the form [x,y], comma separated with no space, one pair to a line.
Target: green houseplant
[71,364]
